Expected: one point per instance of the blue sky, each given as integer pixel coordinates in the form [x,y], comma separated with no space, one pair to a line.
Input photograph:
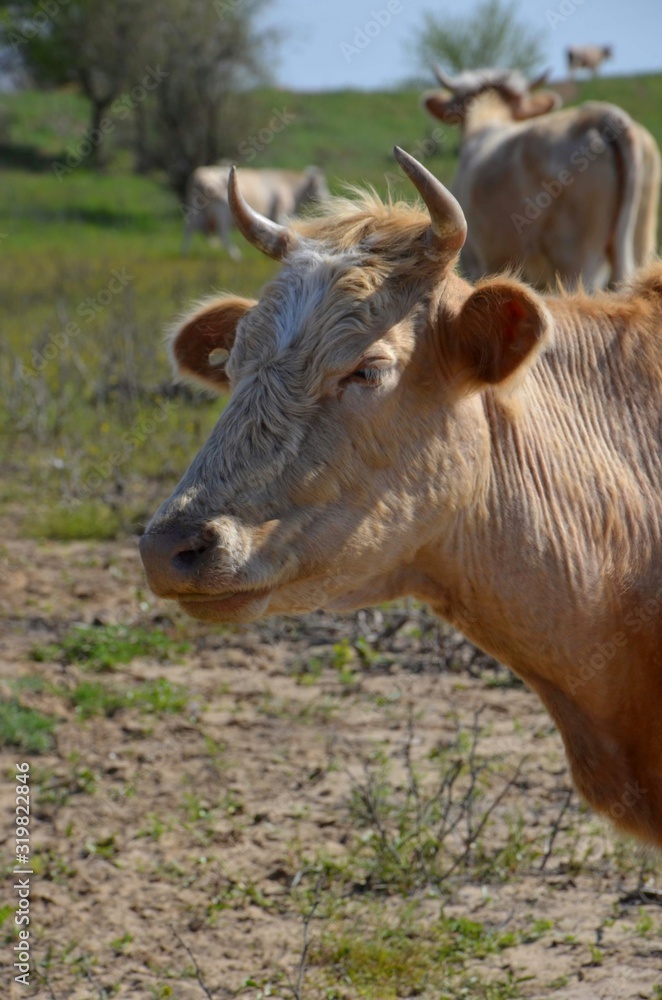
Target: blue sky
[316,54]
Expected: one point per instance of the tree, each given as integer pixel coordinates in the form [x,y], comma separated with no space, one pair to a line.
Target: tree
[179,70]
[211,53]
[492,35]
[95,44]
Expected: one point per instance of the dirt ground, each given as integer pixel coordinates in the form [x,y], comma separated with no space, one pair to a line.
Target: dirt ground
[169,847]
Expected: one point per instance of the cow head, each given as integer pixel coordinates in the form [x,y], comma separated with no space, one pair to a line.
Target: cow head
[453,103]
[355,437]
[315,189]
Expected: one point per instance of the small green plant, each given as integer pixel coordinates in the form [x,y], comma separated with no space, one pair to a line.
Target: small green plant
[401,956]
[158,696]
[366,653]
[645,923]
[536,931]
[25,728]
[309,671]
[155,827]
[343,657]
[103,647]
[119,944]
[559,983]
[596,955]
[196,808]
[419,835]
[105,847]
[93,698]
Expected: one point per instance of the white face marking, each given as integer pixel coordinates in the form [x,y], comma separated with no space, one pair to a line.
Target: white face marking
[306,281]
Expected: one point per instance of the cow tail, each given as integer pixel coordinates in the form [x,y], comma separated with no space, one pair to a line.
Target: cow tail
[630,168]
[645,234]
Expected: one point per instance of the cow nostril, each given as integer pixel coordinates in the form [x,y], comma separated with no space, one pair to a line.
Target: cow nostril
[187,558]
[173,559]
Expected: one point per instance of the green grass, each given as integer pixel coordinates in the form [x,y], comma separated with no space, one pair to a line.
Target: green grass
[382,959]
[104,647]
[95,698]
[25,728]
[92,698]
[89,439]
[92,521]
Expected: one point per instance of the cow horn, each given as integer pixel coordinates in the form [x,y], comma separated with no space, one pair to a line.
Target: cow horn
[271,238]
[448,229]
[445,80]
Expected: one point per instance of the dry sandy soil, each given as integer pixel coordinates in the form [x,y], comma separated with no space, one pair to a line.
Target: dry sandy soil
[179,854]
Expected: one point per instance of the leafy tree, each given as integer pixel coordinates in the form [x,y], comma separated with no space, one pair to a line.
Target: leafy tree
[96,44]
[492,35]
[179,70]
[211,54]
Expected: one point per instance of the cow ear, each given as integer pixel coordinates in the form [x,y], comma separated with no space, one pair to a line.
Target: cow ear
[444,105]
[201,345]
[498,332]
[541,103]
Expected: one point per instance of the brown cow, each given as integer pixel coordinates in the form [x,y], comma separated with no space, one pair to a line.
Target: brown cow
[393,430]
[570,195]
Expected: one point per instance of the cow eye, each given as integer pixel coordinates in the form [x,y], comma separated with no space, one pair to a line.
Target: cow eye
[371,373]
[367,375]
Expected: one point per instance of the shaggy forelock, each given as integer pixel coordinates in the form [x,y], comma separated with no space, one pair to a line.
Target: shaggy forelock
[355,271]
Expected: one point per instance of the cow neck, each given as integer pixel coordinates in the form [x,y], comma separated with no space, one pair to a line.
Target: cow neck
[488,109]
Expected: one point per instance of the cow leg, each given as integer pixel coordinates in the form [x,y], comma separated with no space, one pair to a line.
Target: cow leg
[276,212]
[223,218]
[189,227]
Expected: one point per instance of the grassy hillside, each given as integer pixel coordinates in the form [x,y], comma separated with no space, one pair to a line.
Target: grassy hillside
[92,272]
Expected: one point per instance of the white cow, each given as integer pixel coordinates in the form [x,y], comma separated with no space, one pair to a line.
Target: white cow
[277,194]
[570,194]
[587,57]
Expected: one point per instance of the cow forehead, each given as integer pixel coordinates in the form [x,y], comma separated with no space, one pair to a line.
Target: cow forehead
[318,297]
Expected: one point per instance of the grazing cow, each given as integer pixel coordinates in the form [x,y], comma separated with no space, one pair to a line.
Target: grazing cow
[394,430]
[571,194]
[587,57]
[277,194]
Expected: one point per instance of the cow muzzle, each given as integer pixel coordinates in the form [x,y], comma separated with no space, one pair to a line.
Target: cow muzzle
[175,560]
[201,569]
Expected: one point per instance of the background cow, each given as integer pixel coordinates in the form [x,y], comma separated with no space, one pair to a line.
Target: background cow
[393,431]
[588,57]
[277,194]
[571,194]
